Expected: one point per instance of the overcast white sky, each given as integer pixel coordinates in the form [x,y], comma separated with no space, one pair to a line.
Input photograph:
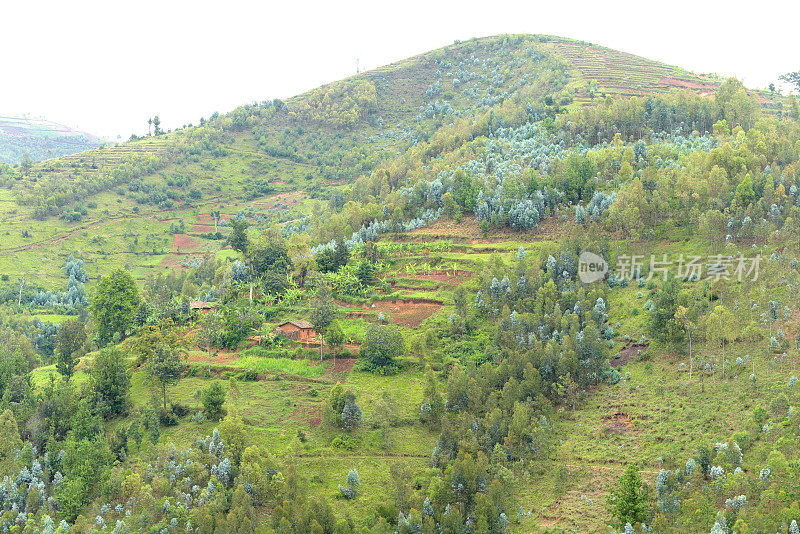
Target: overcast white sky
[107,66]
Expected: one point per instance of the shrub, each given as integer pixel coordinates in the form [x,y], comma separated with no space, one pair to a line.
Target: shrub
[167,418]
[350,491]
[179,409]
[351,415]
[383,344]
[213,398]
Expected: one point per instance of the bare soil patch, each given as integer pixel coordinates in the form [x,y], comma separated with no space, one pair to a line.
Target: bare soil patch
[171,261]
[629,352]
[185,243]
[224,357]
[408,312]
[340,369]
[618,423]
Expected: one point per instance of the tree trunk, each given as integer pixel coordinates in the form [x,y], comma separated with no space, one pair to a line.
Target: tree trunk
[164,392]
[21,285]
[209,360]
[251,292]
[321,343]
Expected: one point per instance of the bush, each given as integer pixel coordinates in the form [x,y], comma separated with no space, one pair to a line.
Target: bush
[350,491]
[167,418]
[179,409]
[351,415]
[383,344]
[213,398]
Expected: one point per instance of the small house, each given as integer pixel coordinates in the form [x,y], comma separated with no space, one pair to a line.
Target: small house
[202,307]
[296,330]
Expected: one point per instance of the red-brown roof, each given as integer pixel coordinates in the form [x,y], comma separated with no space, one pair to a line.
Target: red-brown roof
[299,324]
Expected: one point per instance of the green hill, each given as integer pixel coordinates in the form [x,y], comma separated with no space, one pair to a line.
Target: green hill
[473,380]
[311,143]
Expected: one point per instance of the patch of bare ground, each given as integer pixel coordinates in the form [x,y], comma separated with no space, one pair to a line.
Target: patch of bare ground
[618,423]
[408,312]
[185,243]
[628,353]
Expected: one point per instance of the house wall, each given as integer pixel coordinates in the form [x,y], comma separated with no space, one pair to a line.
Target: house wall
[305,334]
[298,334]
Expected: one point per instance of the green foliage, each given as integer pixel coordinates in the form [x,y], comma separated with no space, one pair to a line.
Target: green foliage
[238,239]
[331,260]
[70,340]
[272,257]
[323,312]
[213,398]
[628,501]
[11,441]
[114,305]
[335,335]
[383,344]
[533,340]
[165,367]
[110,382]
[578,180]
[663,323]
[239,320]
[343,104]
[234,436]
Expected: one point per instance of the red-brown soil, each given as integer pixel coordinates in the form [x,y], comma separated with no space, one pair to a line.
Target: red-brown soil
[184,243]
[408,312]
[618,423]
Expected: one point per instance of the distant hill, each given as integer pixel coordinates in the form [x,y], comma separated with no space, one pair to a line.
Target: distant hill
[40,139]
[399,124]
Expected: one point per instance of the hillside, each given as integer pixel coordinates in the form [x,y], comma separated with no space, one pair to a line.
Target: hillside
[324,138]
[40,139]
[429,219]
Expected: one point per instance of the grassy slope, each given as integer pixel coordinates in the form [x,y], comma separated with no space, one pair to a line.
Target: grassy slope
[590,454]
[105,236]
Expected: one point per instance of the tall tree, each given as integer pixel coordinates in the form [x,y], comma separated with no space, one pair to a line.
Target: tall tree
[11,442]
[70,340]
[628,499]
[110,382]
[165,368]
[238,238]
[323,312]
[209,333]
[663,324]
[383,344]
[114,305]
[720,328]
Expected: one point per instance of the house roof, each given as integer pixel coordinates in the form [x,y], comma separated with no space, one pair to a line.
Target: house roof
[299,324]
[200,305]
